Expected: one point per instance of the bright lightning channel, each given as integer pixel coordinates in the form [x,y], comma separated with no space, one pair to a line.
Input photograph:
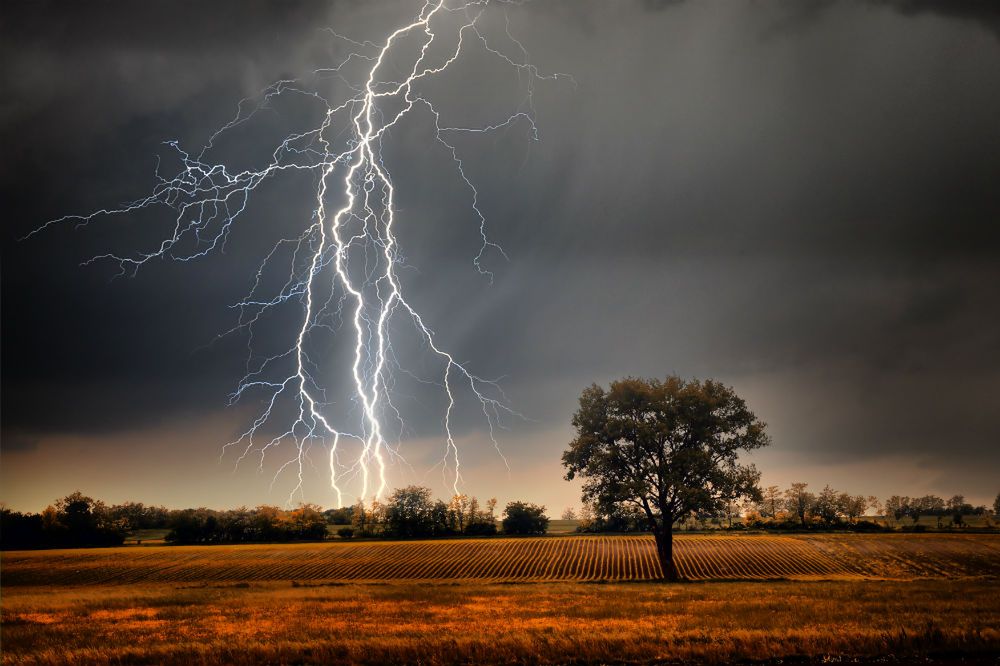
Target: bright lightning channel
[349,249]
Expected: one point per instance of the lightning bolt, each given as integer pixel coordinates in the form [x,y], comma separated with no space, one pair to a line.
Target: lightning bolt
[343,267]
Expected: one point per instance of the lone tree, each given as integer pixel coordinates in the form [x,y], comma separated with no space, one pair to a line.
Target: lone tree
[666,448]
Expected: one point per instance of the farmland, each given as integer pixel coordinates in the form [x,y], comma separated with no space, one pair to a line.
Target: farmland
[572,558]
[583,599]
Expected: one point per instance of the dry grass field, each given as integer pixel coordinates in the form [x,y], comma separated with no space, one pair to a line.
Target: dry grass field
[471,622]
[531,600]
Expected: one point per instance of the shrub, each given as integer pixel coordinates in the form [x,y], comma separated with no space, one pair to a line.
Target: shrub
[345,533]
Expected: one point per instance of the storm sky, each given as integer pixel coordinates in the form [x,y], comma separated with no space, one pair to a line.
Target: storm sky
[800,199]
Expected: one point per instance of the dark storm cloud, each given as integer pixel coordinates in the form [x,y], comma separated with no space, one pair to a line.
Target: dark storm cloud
[91,88]
[802,13]
[982,11]
[798,198]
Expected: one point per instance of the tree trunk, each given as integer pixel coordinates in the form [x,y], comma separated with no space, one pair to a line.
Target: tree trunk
[665,552]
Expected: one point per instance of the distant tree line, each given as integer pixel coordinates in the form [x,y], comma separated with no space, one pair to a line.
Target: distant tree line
[897,508]
[797,508]
[411,512]
[80,521]
[72,521]
[242,525]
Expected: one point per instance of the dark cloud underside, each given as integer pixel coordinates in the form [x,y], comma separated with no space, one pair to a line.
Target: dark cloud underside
[799,198]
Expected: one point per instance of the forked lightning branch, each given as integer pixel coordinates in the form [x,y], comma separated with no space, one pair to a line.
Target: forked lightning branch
[342,263]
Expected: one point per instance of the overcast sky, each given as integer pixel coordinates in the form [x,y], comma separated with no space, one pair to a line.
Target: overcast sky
[797,198]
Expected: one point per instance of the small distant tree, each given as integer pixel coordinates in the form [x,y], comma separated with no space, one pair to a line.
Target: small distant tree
[874,505]
[238,526]
[957,507]
[491,507]
[79,520]
[843,502]
[731,510]
[408,512]
[771,501]
[827,505]
[342,516]
[750,510]
[896,507]
[664,448]
[187,526]
[472,514]
[478,522]
[524,518]
[50,519]
[568,514]
[442,522]
[931,505]
[366,520]
[996,505]
[137,516]
[852,506]
[799,501]
[266,523]
[305,522]
[377,515]
[620,517]
[79,513]
[459,512]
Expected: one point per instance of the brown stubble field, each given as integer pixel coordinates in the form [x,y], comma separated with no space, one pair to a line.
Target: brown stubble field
[191,612]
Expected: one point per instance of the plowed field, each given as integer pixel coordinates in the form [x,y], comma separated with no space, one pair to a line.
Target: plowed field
[581,558]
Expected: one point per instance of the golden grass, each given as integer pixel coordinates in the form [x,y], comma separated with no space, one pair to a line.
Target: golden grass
[505,600]
[450,623]
[571,558]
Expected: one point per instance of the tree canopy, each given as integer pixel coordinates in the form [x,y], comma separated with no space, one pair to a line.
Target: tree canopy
[665,448]
[524,518]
